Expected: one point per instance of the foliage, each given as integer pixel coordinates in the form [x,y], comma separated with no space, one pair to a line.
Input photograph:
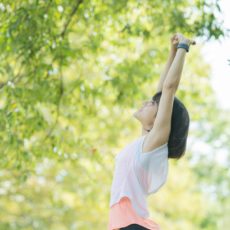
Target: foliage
[68,71]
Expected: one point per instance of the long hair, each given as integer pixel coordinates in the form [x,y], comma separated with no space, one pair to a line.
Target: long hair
[179,127]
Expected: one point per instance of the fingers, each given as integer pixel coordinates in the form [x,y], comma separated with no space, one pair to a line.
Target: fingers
[174,39]
[192,42]
[177,37]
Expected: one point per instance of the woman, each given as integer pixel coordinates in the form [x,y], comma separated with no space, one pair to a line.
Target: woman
[141,167]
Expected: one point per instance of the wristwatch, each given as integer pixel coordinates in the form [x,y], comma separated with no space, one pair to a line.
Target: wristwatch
[184,46]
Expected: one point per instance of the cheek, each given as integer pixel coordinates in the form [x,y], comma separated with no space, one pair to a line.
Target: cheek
[148,113]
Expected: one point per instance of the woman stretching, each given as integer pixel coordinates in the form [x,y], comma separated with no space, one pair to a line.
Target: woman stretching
[141,167]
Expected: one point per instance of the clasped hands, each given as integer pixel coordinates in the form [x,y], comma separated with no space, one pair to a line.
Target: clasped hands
[179,38]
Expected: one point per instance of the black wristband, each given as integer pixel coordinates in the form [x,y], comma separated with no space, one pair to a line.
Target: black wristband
[184,46]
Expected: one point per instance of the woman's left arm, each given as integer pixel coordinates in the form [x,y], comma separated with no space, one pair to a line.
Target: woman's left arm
[173,49]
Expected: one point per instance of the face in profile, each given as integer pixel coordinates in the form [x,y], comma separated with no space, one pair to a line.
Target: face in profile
[147,113]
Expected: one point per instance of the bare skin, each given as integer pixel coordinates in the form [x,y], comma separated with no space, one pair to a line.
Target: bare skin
[157,118]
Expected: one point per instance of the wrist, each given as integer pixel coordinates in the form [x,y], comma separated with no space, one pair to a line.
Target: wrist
[173,49]
[183,45]
[181,50]
[185,41]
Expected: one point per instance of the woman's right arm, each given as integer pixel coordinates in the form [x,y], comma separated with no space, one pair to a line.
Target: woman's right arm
[174,74]
[166,69]
[173,49]
[159,134]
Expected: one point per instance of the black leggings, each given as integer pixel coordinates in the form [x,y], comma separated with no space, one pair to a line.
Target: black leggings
[134,227]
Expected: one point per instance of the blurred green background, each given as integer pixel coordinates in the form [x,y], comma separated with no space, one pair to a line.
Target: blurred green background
[71,75]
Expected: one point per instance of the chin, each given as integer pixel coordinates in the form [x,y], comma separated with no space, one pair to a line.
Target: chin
[135,115]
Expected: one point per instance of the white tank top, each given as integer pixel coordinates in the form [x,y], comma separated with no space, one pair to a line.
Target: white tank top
[139,174]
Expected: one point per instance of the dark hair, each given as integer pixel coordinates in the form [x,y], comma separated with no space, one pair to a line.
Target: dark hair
[179,127]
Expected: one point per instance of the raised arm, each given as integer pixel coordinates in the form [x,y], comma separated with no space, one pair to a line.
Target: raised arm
[160,132]
[172,54]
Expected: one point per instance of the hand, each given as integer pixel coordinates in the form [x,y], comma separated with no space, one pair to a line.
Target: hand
[174,42]
[178,37]
[182,39]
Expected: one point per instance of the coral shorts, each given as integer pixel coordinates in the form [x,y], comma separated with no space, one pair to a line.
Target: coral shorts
[122,215]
